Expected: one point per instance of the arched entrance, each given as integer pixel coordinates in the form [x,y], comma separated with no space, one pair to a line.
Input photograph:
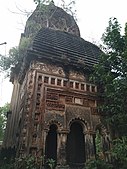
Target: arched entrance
[75,145]
[51,143]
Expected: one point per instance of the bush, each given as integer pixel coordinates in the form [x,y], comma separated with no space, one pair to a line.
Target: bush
[98,164]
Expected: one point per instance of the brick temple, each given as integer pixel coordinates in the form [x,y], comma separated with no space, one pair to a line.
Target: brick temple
[53,109]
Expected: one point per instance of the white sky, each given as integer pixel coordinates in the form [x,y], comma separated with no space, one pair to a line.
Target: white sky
[93,16]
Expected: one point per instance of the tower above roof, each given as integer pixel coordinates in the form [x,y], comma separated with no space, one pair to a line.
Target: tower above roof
[52,36]
[50,16]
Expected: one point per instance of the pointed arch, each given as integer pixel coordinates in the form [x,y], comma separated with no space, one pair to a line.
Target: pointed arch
[51,143]
[85,125]
[75,147]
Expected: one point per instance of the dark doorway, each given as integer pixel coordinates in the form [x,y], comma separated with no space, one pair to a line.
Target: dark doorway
[51,144]
[75,145]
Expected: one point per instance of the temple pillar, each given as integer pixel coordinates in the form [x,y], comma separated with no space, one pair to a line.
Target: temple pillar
[89,145]
[44,145]
[61,149]
[106,147]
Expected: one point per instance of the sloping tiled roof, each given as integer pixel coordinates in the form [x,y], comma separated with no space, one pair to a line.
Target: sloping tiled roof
[63,47]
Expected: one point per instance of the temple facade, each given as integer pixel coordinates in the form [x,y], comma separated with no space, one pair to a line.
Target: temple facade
[53,109]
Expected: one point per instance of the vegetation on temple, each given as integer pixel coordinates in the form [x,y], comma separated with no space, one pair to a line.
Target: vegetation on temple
[16,54]
[111,77]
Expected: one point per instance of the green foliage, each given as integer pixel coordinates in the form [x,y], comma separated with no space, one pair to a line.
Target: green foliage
[33,28]
[16,55]
[7,164]
[24,44]
[98,143]
[28,162]
[112,37]
[6,62]
[42,1]
[51,163]
[98,164]
[119,153]
[3,111]
[111,75]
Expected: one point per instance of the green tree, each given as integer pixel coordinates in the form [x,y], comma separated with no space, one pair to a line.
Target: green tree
[3,111]
[111,75]
[7,62]
[119,153]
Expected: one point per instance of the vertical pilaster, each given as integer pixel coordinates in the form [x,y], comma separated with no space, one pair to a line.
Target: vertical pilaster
[44,139]
[106,147]
[89,145]
[61,148]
